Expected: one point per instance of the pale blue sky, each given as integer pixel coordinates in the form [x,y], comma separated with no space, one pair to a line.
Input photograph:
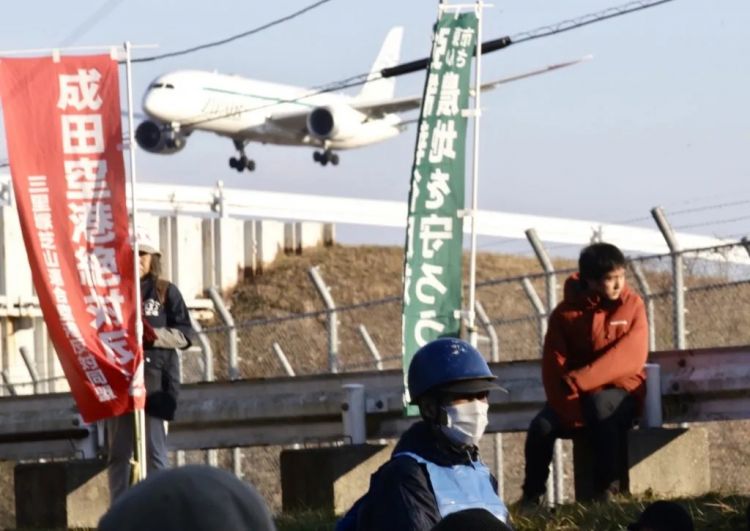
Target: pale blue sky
[659,117]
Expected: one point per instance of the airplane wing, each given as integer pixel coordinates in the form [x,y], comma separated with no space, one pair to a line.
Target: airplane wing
[380,108]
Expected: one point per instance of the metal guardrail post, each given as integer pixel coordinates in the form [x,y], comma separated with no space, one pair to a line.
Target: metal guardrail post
[550,283]
[353,413]
[31,368]
[237,462]
[640,277]
[371,346]
[228,320]
[679,333]
[333,336]
[283,359]
[208,353]
[497,438]
[652,414]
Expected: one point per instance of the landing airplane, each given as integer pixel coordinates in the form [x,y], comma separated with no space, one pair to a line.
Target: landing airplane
[246,110]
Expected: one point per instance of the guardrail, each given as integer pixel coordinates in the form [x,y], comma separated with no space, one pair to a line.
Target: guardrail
[697,385]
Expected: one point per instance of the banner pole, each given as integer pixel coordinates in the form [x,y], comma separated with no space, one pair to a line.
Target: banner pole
[471,313]
[139,415]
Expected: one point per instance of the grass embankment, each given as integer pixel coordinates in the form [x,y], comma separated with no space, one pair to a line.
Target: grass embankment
[712,512]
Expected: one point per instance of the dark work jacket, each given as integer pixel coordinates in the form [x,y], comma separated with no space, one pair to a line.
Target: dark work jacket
[401,496]
[161,366]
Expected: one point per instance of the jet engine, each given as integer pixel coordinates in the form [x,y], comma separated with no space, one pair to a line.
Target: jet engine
[334,122]
[158,138]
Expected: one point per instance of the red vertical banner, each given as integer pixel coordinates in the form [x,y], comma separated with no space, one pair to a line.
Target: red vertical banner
[64,134]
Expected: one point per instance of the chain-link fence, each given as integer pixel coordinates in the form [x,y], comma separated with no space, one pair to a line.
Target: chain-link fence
[367,336]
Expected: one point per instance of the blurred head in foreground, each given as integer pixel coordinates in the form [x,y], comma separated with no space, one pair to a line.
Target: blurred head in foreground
[189,498]
[663,516]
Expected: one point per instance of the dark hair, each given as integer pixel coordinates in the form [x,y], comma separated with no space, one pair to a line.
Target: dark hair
[598,259]
[471,520]
[663,515]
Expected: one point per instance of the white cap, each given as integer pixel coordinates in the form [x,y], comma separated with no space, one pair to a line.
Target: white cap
[145,243]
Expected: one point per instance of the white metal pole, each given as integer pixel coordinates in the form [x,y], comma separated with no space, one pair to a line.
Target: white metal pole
[139,449]
[475,179]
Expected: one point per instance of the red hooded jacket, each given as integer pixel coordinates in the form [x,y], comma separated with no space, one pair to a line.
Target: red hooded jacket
[591,344]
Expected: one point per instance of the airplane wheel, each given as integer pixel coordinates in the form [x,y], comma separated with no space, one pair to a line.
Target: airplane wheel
[323,160]
[233,163]
[316,156]
[334,159]
[250,165]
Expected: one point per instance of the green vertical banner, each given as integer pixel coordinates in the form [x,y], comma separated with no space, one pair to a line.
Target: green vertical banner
[434,236]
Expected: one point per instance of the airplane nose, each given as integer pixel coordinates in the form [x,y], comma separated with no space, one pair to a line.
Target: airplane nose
[148,103]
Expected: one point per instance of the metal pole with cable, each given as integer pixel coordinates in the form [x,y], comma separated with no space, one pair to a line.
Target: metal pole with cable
[471,313]
[139,420]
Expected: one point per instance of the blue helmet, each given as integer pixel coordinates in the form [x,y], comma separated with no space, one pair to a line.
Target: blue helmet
[449,364]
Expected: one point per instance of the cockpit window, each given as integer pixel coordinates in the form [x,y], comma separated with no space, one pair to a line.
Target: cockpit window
[169,86]
[156,85]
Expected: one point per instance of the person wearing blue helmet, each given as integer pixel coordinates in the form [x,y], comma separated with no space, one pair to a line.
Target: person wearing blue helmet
[435,468]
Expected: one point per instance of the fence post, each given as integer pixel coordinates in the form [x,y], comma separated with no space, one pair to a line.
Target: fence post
[8,384]
[497,438]
[678,280]
[333,336]
[550,283]
[30,366]
[640,277]
[536,302]
[484,320]
[371,347]
[208,354]
[283,359]
[228,321]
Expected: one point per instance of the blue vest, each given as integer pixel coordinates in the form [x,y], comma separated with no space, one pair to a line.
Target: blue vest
[460,487]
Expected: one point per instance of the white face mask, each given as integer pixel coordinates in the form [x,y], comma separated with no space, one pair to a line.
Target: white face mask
[466,422]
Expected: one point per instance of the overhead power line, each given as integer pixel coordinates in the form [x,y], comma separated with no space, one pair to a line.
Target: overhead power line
[233,37]
[487,47]
[538,33]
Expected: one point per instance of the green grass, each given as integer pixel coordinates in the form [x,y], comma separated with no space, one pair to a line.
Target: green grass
[711,512]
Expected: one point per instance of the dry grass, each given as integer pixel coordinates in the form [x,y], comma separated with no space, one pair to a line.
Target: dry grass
[712,512]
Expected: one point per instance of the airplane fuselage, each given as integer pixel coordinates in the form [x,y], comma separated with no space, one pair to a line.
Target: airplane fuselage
[250,110]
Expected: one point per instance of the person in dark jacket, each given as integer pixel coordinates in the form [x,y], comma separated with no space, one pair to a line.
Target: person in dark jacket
[166,328]
[435,468]
[592,369]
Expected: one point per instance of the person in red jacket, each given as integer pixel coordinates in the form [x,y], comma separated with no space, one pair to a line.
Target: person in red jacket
[592,369]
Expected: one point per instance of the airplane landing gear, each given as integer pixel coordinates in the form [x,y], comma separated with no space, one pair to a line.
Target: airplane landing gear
[324,157]
[241,163]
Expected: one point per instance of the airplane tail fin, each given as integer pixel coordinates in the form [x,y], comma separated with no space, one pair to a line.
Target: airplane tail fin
[380,89]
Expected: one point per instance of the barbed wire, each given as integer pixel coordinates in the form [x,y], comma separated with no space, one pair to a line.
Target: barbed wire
[585,20]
